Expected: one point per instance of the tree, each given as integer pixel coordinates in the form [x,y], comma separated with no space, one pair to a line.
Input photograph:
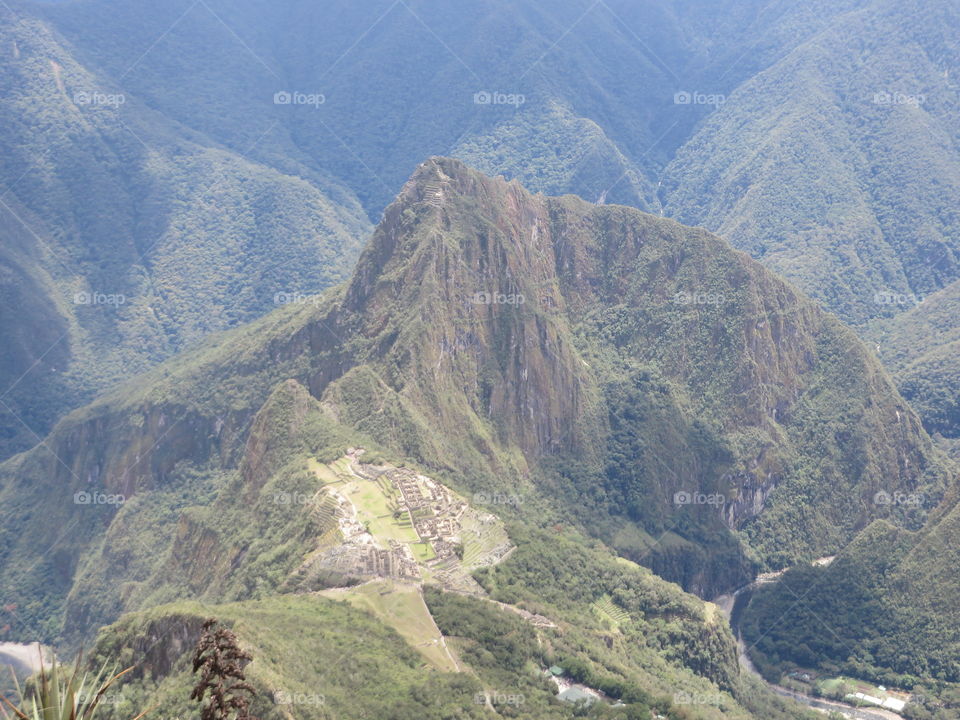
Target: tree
[220,661]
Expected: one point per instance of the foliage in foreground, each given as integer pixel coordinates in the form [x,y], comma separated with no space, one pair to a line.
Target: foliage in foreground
[59,695]
[220,661]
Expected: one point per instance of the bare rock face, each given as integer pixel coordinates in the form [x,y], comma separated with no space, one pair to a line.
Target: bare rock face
[462,270]
[501,337]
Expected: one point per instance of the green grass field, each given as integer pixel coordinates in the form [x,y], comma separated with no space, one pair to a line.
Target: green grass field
[375,510]
[830,685]
[401,607]
[325,473]
[423,551]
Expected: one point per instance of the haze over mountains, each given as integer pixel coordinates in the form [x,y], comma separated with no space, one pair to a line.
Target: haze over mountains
[164,124]
[129,236]
[638,379]
[921,349]
[623,416]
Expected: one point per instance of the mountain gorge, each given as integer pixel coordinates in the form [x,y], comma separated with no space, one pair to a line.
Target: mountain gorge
[668,317]
[612,372]
[885,603]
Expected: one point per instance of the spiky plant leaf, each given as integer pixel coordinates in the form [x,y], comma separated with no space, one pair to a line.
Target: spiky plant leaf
[55,695]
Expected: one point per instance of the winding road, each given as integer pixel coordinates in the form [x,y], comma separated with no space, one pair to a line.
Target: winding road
[728,605]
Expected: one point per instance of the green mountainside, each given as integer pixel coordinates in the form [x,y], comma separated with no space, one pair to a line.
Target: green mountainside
[884,610]
[128,237]
[603,373]
[578,97]
[922,349]
[829,154]
[598,402]
[309,664]
[839,165]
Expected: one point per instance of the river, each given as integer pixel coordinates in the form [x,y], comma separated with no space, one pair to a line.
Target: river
[733,605]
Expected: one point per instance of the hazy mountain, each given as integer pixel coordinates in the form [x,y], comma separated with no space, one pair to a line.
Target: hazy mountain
[616,374]
[922,348]
[128,236]
[796,130]
[577,97]
[839,165]
[595,391]
[710,112]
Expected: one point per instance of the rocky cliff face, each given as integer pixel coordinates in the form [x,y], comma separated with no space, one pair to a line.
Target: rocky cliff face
[609,362]
[460,285]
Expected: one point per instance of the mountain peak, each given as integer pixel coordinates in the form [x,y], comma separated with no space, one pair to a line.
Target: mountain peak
[429,179]
[446,206]
[472,282]
[438,178]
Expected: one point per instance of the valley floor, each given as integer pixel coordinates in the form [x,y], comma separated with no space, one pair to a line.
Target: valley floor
[726,604]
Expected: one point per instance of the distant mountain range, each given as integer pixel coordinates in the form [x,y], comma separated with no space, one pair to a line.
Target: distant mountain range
[127,236]
[614,373]
[268,138]
[212,295]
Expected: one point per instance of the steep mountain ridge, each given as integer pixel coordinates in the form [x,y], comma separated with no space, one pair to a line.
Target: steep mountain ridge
[130,236]
[837,166]
[569,350]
